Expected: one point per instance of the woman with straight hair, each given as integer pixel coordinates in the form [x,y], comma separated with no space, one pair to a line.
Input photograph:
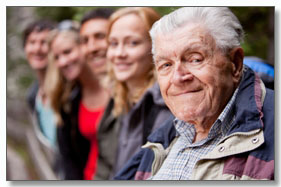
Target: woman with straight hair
[78,101]
[136,108]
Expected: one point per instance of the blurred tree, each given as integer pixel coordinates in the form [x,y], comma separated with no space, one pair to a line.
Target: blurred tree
[76,13]
[258,24]
[55,13]
[19,75]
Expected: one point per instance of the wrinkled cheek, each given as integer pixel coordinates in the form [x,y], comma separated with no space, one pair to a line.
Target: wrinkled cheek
[177,108]
[174,109]
[163,87]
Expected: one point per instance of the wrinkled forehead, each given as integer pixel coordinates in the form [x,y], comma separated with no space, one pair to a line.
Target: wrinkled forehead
[188,37]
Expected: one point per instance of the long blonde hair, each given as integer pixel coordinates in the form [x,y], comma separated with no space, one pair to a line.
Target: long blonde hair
[57,88]
[122,101]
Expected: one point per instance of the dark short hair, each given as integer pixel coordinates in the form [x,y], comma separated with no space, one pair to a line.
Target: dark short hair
[38,26]
[104,13]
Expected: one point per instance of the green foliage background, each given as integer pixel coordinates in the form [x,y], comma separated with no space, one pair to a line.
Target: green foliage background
[256,21]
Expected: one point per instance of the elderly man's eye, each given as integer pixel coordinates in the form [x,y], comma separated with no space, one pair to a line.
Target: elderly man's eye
[164,66]
[196,60]
[192,58]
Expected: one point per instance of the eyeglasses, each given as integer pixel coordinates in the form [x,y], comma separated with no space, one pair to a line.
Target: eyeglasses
[68,25]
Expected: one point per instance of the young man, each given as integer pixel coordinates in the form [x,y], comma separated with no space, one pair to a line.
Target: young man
[93,32]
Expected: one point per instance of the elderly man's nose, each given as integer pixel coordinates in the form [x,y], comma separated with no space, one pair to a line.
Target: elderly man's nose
[181,74]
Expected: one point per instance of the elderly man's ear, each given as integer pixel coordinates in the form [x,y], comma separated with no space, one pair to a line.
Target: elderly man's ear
[236,57]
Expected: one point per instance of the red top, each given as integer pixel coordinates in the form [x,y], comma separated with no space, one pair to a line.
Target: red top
[88,126]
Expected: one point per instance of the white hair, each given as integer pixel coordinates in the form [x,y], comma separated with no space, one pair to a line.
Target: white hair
[220,22]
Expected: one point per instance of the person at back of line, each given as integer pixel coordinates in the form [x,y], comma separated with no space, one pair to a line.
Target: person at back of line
[36,49]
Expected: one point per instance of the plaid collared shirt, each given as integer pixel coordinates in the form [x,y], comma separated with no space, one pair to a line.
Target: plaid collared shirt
[184,154]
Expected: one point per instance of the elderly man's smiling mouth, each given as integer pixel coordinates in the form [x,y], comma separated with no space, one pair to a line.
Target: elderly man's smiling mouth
[186,92]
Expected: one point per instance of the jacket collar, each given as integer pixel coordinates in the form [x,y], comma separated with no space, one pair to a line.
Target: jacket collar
[165,134]
[248,105]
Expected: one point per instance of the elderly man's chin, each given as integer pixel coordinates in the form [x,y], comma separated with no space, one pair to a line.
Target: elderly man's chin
[188,114]
[186,103]
[190,109]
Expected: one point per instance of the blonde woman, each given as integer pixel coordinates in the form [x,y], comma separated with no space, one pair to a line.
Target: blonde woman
[137,107]
[78,100]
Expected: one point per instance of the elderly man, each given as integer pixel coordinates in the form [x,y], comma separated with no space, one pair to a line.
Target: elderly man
[224,125]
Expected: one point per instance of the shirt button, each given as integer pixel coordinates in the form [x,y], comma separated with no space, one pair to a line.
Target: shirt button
[255,140]
[221,149]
